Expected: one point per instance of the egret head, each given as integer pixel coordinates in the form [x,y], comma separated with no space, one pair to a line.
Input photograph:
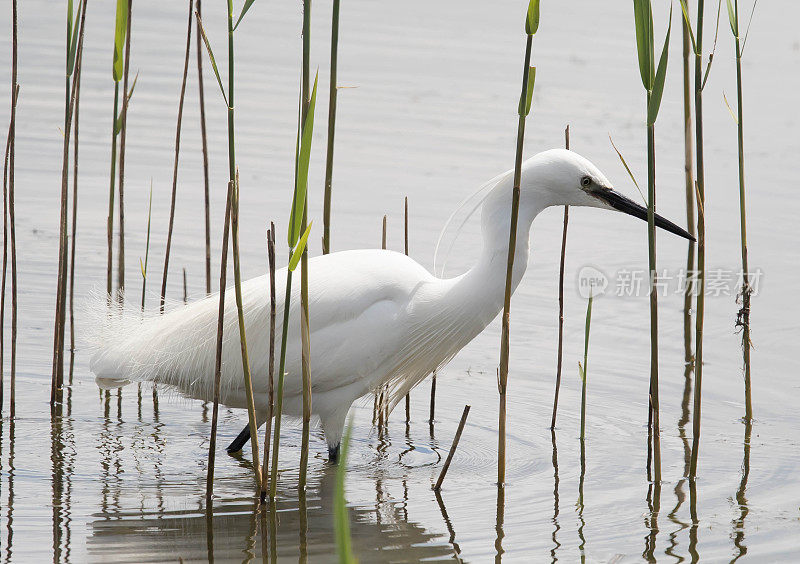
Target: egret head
[569,179]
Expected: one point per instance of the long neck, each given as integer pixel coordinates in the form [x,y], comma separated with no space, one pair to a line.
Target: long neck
[484,283]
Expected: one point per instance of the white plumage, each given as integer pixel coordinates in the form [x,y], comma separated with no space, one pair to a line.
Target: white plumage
[377,317]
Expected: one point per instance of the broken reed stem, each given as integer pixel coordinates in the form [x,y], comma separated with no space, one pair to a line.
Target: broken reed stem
[185,293]
[432,409]
[147,244]
[560,357]
[57,377]
[248,381]
[177,155]
[744,312]
[271,366]
[701,242]
[12,131]
[123,130]
[512,243]
[305,336]
[326,214]
[689,178]
[223,270]
[405,250]
[453,448]
[204,139]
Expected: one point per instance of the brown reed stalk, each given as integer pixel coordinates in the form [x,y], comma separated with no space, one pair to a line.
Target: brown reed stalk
[223,270]
[531,26]
[432,407]
[453,448]
[76,119]
[688,158]
[9,141]
[57,377]
[248,381]
[11,219]
[185,293]
[405,250]
[271,366]
[560,357]
[177,154]
[204,139]
[123,130]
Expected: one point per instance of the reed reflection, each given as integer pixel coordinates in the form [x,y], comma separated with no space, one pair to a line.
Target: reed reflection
[447,523]
[579,506]
[556,525]
[741,494]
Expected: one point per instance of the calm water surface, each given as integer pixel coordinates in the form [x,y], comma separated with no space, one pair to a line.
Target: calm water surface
[431,116]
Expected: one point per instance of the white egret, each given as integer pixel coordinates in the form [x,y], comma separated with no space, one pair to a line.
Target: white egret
[378,318]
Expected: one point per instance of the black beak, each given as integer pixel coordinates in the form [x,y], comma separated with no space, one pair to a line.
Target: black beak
[628,206]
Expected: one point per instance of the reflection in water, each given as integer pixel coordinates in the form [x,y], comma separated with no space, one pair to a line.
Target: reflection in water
[63,462]
[741,499]
[651,522]
[680,495]
[233,530]
[447,523]
[501,510]
[10,504]
[556,526]
[579,506]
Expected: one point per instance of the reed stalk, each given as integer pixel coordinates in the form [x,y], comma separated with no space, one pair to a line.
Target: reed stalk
[405,250]
[297,247]
[453,448]
[75,145]
[204,139]
[560,357]
[119,38]
[178,150]
[701,235]
[248,381]
[743,318]
[326,214]
[653,81]
[223,270]
[271,365]
[689,181]
[582,369]
[143,265]
[9,142]
[12,130]
[57,378]
[123,130]
[305,333]
[528,75]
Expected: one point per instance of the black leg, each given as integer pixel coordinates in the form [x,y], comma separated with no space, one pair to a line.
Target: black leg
[333,454]
[240,440]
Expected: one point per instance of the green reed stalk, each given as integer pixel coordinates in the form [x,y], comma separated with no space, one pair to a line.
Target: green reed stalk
[119,39]
[271,365]
[297,249]
[204,139]
[147,245]
[653,81]
[582,370]
[123,130]
[689,177]
[178,151]
[11,150]
[528,75]
[701,237]
[341,521]
[248,381]
[305,333]
[326,215]
[559,359]
[744,312]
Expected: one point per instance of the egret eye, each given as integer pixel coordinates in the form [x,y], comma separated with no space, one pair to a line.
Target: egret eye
[586,181]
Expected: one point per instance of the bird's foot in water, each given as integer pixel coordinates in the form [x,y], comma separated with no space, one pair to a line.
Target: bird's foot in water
[333,454]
